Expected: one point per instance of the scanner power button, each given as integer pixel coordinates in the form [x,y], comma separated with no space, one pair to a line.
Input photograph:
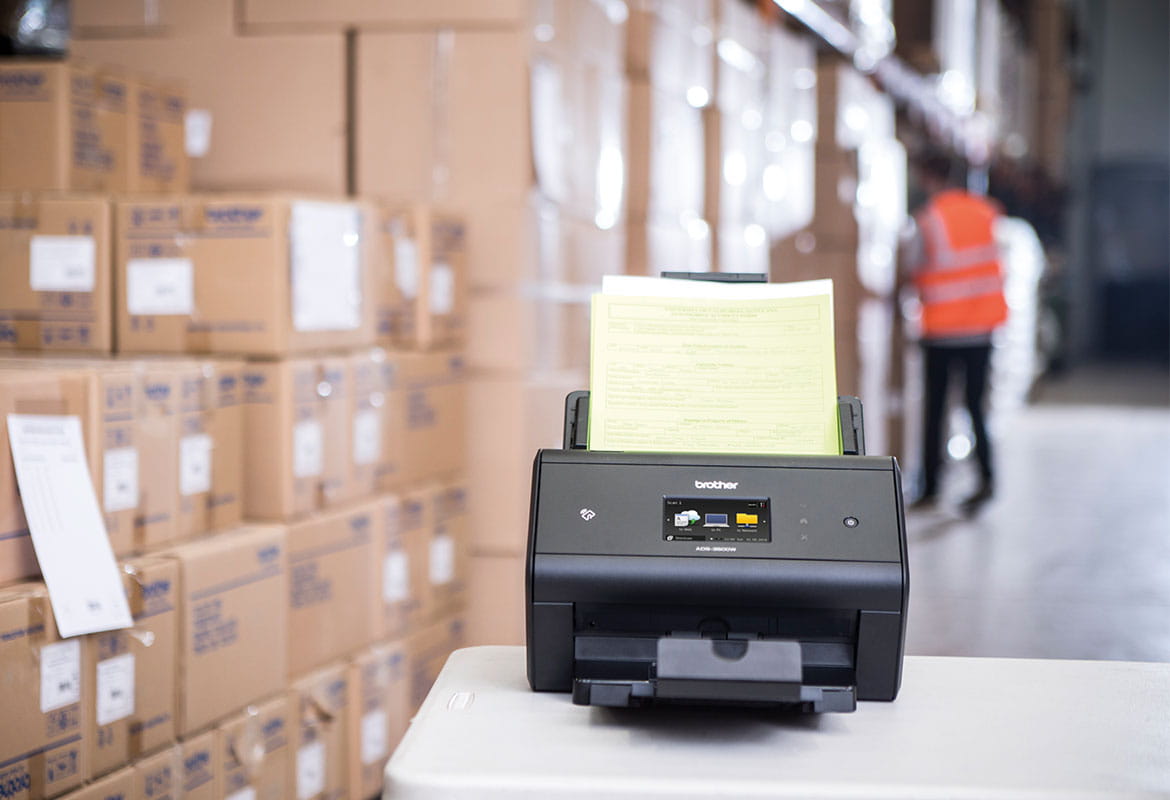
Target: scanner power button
[850,522]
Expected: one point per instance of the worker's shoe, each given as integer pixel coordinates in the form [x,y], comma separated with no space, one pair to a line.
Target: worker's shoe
[924,502]
[971,506]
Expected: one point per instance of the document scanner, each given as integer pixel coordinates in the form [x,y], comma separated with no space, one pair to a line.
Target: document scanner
[716,579]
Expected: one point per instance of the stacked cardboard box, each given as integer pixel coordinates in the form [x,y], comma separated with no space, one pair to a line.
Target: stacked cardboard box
[515,115]
[670,66]
[734,135]
[296,143]
[76,127]
[286,358]
[164,440]
[55,273]
[859,209]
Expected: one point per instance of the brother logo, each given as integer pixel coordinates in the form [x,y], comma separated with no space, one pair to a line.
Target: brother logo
[716,484]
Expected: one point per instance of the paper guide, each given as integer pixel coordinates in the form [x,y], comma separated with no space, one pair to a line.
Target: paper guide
[699,366]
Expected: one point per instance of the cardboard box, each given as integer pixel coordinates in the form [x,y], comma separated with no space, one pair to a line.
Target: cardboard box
[298,436]
[426,652]
[377,416]
[537,243]
[105,19]
[449,548]
[225,500]
[115,786]
[233,622]
[63,127]
[498,614]
[254,750]
[655,247]
[262,276]
[44,744]
[305,14]
[527,414]
[115,389]
[590,250]
[740,56]
[792,87]
[401,584]
[533,328]
[271,108]
[108,421]
[487,116]
[159,387]
[850,108]
[133,711]
[379,694]
[434,436]
[201,765]
[741,248]
[55,274]
[394,157]
[421,295]
[35,391]
[670,44]
[157,469]
[665,160]
[196,404]
[321,711]
[158,777]
[158,139]
[734,158]
[790,192]
[330,585]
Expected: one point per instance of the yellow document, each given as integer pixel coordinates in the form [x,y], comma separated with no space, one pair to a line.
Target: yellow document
[725,369]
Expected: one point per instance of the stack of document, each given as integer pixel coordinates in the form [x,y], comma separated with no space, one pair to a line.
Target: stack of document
[708,367]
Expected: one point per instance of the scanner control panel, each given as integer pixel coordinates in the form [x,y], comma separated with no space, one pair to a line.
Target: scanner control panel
[716,519]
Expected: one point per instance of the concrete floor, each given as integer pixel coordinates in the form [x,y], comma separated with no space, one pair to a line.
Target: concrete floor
[1071,559]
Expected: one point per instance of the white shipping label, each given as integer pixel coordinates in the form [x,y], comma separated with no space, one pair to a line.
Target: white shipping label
[115,688]
[442,559]
[367,436]
[308,449]
[442,288]
[162,286]
[406,266]
[120,479]
[60,674]
[311,770]
[395,577]
[375,739]
[326,255]
[65,522]
[247,793]
[197,132]
[61,263]
[195,464]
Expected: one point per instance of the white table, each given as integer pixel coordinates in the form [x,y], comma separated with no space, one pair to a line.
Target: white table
[960,728]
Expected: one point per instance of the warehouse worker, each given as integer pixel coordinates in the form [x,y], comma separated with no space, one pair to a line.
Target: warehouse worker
[955,266]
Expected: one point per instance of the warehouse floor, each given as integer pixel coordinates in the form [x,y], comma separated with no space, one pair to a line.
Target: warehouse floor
[1072,557]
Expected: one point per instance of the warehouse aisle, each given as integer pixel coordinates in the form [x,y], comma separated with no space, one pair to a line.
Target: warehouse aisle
[1072,558]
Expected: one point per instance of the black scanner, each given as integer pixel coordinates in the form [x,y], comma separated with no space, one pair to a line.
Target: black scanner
[716,579]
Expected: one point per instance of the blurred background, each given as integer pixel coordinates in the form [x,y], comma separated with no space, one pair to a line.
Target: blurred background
[432,191]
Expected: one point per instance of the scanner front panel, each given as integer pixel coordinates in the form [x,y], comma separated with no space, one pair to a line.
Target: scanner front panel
[588,505]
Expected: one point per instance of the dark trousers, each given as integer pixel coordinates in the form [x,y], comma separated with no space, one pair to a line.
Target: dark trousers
[940,361]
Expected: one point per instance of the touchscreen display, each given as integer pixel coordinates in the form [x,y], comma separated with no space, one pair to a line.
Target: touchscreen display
[716,519]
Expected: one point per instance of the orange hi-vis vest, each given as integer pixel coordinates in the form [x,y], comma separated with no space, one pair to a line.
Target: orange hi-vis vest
[960,282]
